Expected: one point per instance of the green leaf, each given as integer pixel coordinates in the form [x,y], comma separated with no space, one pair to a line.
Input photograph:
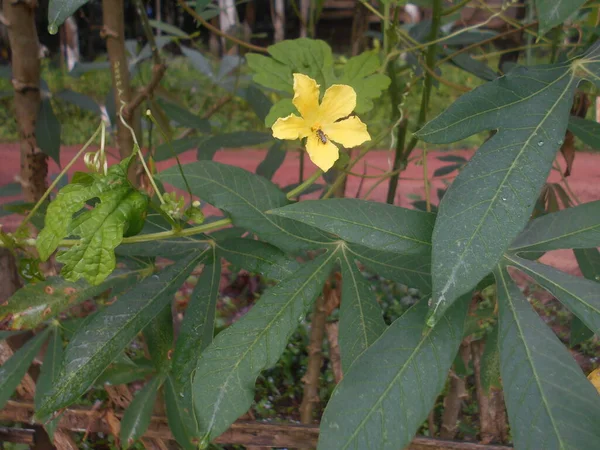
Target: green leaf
[124,371]
[165,151]
[13,370]
[308,56]
[586,130]
[101,339]
[282,108]
[184,117]
[60,10]
[120,212]
[80,100]
[169,29]
[236,139]
[11,190]
[388,392]
[576,227]
[549,401]
[172,248]
[581,296]
[159,339]
[199,62]
[468,64]
[589,262]
[375,225]
[37,302]
[361,318]
[361,72]
[555,12]
[47,131]
[490,362]
[273,160]
[258,101]
[492,198]
[182,422]
[223,387]
[137,416]
[445,170]
[245,201]
[49,374]
[257,257]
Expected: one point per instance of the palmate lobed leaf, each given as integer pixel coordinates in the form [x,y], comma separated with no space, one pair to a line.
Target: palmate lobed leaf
[550,403]
[492,198]
[555,12]
[121,210]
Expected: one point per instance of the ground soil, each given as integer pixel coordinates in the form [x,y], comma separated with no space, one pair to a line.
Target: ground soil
[584,179]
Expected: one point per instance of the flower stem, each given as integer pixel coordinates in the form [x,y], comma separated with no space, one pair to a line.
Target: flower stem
[304,185]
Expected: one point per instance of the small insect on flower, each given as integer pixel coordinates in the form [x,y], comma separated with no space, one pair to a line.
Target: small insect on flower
[322,136]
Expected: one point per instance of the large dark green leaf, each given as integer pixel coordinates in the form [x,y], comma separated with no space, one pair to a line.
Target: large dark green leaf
[589,263]
[223,387]
[236,139]
[38,302]
[101,339]
[586,130]
[159,339]
[184,117]
[273,161]
[388,392]
[361,318]
[245,197]
[80,100]
[13,370]
[168,150]
[258,101]
[47,131]
[137,416]
[182,421]
[555,12]
[257,257]
[493,197]
[577,227]
[49,373]
[550,403]
[375,225]
[60,10]
[580,295]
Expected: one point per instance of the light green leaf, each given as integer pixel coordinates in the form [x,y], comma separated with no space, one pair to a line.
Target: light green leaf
[257,257]
[159,339]
[184,117]
[47,131]
[282,108]
[586,130]
[223,387]
[121,211]
[492,198]
[60,10]
[101,339]
[137,416]
[375,225]
[273,160]
[580,295]
[388,392]
[236,139]
[245,197]
[576,227]
[37,302]
[13,370]
[550,403]
[361,318]
[360,72]
[49,374]
[555,12]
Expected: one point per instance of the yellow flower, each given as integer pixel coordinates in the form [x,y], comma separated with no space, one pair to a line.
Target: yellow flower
[320,122]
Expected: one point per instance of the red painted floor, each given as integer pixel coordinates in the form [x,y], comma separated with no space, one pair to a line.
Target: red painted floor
[584,181]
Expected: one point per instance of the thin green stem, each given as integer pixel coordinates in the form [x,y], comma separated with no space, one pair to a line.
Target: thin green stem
[304,185]
[426,181]
[60,175]
[398,161]
[386,27]
[453,9]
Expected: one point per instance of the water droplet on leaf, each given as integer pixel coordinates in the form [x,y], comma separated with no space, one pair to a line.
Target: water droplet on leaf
[540,143]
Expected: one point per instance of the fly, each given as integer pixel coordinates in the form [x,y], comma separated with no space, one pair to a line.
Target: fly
[322,136]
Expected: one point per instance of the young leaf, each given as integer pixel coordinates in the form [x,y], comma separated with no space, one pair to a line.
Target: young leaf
[375,225]
[586,130]
[137,416]
[581,296]
[555,12]
[576,227]
[389,390]
[273,160]
[47,131]
[101,339]
[159,339]
[361,318]
[121,211]
[223,387]
[245,201]
[13,370]
[37,302]
[49,374]
[492,198]
[549,401]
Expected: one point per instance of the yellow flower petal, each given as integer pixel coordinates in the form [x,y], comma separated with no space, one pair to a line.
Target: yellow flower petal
[323,155]
[306,95]
[594,377]
[350,132]
[290,127]
[338,102]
